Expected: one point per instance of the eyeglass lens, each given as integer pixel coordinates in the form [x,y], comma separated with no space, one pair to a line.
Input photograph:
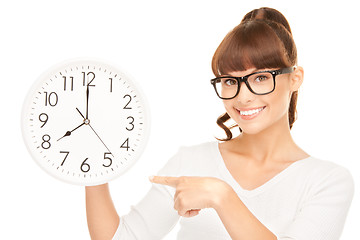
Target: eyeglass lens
[260,83]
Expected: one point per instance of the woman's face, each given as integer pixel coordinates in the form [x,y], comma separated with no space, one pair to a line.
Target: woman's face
[255,113]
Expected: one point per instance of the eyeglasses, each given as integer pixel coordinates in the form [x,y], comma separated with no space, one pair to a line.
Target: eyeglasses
[259,83]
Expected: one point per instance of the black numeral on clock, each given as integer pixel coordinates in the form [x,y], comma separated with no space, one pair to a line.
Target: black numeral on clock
[46,142]
[131,123]
[126,106]
[107,158]
[72,83]
[51,99]
[43,117]
[125,144]
[85,167]
[110,84]
[67,153]
[90,78]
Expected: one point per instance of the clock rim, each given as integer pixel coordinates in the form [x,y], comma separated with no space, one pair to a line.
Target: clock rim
[63,64]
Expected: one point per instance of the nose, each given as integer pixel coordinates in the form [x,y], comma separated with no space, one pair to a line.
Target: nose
[245,95]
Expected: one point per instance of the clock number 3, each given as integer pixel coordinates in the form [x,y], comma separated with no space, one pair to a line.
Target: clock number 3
[131,123]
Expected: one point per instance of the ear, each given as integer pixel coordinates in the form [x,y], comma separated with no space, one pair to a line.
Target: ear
[296,78]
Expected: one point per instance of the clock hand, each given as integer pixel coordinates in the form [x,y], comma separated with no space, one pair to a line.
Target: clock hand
[68,133]
[80,113]
[100,139]
[87,122]
[87,101]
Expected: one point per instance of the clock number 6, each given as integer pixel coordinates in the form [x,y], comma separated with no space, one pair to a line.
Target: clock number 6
[84,166]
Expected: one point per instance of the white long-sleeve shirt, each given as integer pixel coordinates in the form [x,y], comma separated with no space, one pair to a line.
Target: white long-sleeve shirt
[309,200]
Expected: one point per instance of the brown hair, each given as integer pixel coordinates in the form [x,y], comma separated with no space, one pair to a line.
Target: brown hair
[263,39]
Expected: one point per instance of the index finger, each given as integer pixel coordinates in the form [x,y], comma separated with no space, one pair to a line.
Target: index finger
[169,181]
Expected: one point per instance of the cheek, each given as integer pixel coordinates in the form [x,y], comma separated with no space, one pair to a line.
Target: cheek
[279,101]
[229,107]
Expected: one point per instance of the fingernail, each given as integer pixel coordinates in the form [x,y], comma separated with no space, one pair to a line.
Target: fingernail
[151,178]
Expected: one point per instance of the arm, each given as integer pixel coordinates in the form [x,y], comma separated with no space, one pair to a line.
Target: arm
[152,218]
[321,217]
[196,193]
[102,217]
[233,213]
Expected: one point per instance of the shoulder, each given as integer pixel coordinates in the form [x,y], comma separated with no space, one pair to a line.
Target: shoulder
[327,176]
[324,168]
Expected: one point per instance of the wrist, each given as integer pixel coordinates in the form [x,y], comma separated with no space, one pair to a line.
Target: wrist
[97,188]
[223,197]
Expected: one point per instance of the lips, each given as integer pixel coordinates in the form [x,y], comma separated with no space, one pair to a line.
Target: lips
[250,113]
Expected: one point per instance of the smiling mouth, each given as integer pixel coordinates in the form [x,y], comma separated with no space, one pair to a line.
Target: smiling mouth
[250,112]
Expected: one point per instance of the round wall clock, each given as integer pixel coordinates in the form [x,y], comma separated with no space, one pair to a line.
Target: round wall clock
[85,122]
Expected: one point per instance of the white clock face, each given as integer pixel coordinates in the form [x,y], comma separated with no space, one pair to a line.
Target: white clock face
[85,122]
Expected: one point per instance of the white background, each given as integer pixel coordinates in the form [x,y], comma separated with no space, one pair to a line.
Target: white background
[167,47]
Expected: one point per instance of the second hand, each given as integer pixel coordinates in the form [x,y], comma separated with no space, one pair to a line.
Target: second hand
[87,122]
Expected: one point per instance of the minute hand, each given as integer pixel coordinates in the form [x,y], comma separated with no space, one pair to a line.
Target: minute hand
[87,101]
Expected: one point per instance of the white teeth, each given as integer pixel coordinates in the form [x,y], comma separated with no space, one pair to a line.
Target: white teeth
[251,112]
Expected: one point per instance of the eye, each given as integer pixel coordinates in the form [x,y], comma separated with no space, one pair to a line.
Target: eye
[229,81]
[261,78]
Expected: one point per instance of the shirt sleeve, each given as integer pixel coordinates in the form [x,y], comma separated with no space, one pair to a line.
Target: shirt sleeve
[323,215]
[154,216]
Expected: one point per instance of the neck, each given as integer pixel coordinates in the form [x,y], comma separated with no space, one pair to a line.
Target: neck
[272,144]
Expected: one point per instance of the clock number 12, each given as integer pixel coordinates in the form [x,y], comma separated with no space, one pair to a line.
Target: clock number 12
[90,78]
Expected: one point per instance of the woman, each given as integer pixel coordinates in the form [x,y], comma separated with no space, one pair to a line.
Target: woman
[258,185]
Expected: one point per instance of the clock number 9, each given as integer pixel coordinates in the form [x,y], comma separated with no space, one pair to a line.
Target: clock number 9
[44,121]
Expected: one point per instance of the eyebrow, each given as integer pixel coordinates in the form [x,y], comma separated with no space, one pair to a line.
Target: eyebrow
[254,71]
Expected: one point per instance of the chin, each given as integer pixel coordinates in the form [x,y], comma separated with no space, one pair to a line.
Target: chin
[251,130]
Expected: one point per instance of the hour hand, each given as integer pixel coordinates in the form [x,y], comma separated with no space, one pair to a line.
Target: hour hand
[68,133]
[80,113]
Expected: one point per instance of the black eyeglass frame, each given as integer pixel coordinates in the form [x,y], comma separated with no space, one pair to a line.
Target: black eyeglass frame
[239,80]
